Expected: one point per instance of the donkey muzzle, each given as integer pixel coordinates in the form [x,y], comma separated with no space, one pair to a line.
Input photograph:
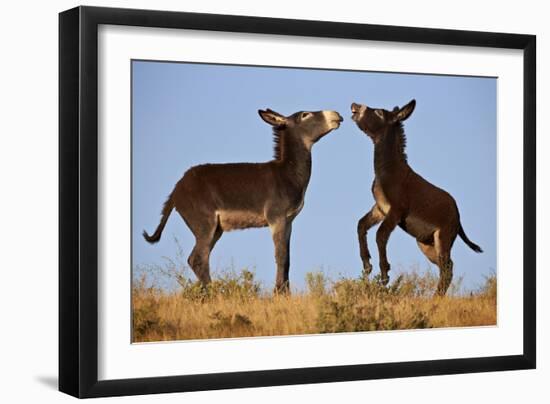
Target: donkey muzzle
[333,118]
[357,111]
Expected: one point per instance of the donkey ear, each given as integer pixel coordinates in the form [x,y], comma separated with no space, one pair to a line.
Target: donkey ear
[273,118]
[405,112]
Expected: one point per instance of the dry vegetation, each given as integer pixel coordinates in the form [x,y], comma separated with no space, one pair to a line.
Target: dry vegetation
[235,305]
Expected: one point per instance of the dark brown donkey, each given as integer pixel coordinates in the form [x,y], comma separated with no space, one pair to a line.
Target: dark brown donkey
[405,199]
[213,198]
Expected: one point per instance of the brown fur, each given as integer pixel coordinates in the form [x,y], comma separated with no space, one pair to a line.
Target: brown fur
[213,198]
[405,199]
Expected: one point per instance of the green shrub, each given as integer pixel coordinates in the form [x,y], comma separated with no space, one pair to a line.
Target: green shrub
[226,285]
[316,283]
[366,305]
[368,315]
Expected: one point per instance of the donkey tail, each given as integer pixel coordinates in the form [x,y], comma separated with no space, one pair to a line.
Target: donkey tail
[465,238]
[166,210]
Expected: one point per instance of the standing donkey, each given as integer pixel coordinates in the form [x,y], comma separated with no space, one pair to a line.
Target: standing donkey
[405,199]
[213,198]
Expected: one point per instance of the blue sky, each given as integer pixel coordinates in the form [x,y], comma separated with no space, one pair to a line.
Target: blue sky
[187,114]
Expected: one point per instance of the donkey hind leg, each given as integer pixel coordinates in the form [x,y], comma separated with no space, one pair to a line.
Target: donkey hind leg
[429,251]
[443,243]
[382,237]
[372,218]
[280,231]
[206,237]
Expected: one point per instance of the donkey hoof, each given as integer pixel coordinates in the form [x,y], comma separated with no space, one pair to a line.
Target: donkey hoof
[282,290]
[440,293]
[384,280]
[367,268]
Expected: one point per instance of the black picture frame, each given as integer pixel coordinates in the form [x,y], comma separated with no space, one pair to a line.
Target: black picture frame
[78,201]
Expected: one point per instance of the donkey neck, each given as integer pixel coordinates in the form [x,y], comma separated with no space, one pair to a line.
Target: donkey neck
[389,152]
[294,159]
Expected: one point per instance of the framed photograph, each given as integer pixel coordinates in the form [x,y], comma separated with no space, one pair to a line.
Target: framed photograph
[249,201]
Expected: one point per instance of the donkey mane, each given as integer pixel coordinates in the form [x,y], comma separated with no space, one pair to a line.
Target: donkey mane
[391,148]
[278,144]
[401,140]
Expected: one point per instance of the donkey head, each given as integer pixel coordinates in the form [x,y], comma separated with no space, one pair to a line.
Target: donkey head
[375,122]
[306,126]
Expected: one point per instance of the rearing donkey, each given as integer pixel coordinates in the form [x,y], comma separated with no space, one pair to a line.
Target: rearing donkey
[213,198]
[405,199]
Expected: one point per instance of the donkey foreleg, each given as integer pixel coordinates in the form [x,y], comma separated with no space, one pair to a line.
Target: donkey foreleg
[382,237]
[280,231]
[373,217]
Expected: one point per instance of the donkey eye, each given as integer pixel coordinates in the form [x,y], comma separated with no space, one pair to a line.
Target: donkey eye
[379,113]
[305,115]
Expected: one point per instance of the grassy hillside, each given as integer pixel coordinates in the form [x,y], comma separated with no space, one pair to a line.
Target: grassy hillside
[235,305]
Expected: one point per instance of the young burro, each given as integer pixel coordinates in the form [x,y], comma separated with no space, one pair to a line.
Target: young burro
[213,198]
[405,199]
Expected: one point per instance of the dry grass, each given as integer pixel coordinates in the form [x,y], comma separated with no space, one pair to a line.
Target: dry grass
[235,305]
